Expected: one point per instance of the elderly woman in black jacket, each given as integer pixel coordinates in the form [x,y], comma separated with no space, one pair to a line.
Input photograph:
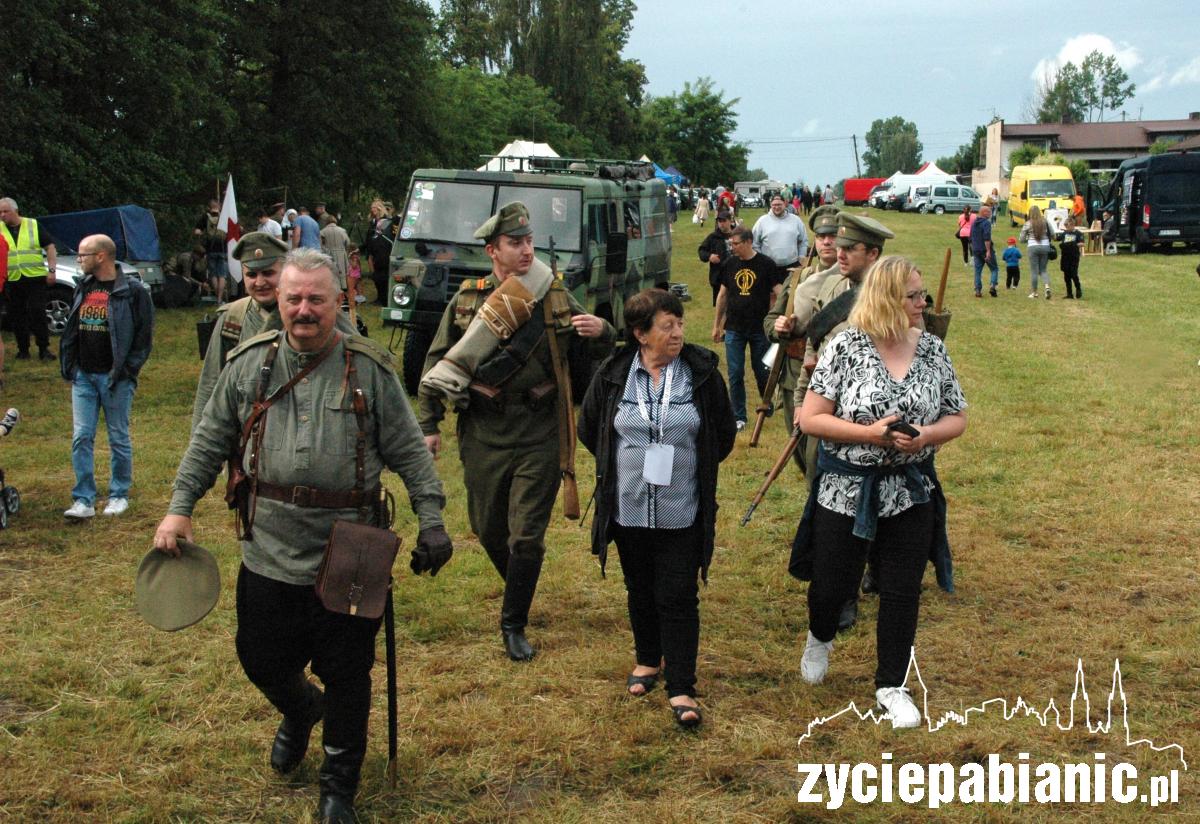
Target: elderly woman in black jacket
[658,419]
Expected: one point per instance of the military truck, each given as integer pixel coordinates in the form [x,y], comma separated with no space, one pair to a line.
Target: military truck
[607,221]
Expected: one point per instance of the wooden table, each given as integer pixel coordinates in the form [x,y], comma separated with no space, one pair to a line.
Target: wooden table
[1093,241]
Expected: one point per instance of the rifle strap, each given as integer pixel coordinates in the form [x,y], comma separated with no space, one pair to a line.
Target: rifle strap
[566,404]
[256,423]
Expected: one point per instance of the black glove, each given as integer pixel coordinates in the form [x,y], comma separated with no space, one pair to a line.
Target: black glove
[433,551]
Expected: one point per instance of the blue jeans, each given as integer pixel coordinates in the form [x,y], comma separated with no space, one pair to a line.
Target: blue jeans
[735,356]
[991,263]
[90,393]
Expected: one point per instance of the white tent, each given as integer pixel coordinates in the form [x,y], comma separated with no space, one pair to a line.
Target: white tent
[512,157]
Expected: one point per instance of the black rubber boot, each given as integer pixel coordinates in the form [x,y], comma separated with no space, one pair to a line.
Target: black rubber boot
[339,782]
[848,617]
[303,706]
[519,586]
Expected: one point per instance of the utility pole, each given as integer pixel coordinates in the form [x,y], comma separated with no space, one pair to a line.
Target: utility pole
[857,168]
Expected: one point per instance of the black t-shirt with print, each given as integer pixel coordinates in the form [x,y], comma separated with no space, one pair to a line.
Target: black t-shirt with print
[748,285]
[95,343]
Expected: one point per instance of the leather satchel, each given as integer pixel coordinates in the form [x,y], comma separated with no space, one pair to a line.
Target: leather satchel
[356,571]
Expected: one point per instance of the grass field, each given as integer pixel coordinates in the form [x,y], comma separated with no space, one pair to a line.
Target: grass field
[1073,520]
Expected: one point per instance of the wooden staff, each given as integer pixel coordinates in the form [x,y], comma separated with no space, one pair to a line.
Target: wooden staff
[941,292]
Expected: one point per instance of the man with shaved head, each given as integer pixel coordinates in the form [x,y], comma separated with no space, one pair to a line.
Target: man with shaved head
[337,417]
[104,346]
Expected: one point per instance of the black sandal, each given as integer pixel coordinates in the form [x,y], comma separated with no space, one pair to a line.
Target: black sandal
[646,682]
[687,723]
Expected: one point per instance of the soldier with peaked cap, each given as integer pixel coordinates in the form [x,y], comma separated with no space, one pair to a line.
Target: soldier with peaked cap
[261,255]
[823,222]
[338,418]
[489,361]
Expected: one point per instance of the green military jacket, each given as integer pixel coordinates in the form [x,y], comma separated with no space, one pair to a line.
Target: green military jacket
[518,425]
[793,373]
[308,440]
[239,321]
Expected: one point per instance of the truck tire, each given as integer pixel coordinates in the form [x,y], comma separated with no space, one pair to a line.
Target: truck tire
[416,347]
[939,209]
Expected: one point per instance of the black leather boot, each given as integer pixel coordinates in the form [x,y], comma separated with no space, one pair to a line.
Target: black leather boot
[848,617]
[301,712]
[339,782]
[519,586]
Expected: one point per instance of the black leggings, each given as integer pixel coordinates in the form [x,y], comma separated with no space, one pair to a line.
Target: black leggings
[902,543]
[966,244]
[661,567]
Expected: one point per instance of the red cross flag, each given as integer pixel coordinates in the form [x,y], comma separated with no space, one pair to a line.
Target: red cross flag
[228,223]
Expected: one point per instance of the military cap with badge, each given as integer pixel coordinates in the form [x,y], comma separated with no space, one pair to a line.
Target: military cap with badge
[512,220]
[823,220]
[258,250]
[855,229]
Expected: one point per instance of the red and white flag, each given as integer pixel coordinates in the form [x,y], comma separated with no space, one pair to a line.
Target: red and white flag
[228,223]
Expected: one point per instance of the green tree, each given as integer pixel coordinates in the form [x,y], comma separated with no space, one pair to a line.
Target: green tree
[1105,84]
[1161,146]
[1062,97]
[967,156]
[892,145]
[694,131]
[1081,92]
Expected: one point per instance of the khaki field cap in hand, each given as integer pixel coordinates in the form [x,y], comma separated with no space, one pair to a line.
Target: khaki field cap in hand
[824,220]
[854,229]
[174,593]
[258,250]
[511,220]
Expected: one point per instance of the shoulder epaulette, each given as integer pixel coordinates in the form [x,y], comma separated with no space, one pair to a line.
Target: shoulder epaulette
[250,343]
[234,317]
[371,349]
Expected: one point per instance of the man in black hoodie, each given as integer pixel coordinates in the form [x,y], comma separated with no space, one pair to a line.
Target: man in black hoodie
[715,250]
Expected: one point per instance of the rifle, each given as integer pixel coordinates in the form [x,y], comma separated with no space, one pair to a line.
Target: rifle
[937,322]
[784,457]
[566,407]
[780,359]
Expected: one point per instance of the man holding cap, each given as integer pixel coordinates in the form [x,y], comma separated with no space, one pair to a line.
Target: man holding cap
[781,323]
[715,250]
[261,255]
[489,359]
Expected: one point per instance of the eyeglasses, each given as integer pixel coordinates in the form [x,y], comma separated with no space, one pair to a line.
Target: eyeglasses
[917,296]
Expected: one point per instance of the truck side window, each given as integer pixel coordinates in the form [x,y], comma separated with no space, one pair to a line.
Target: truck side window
[633,220]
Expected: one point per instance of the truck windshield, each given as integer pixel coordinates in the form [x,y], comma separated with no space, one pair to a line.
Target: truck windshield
[556,213]
[1052,188]
[447,211]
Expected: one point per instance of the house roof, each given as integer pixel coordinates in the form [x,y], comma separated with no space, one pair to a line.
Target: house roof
[1190,145]
[1120,134]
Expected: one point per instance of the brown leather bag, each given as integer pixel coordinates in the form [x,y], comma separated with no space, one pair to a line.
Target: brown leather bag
[356,571]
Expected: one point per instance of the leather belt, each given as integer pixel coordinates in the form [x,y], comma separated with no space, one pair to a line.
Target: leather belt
[310,496]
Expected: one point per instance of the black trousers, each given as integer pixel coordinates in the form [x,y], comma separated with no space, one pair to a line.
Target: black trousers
[283,627]
[966,247]
[27,311]
[1070,270]
[1013,277]
[902,543]
[661,568]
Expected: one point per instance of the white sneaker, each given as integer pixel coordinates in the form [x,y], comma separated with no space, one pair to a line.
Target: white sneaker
[815,661]
[741,425]
[898,703]
[116,506]
[1033,294]
[80,511]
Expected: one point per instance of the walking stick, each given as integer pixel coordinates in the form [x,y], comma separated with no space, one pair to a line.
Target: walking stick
[389,635]
[941,292]
[784,457]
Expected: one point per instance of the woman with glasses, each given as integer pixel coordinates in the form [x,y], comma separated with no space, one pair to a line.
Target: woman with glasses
[883,398]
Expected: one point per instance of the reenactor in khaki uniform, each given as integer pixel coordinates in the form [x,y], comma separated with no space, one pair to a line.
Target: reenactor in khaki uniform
[317,459]
[823,223]
[261,255]
[491,360]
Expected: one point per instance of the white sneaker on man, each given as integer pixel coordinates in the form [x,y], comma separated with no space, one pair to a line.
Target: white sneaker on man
[897,702]
[815,661]
[741,425]
[116,506]
[80,511]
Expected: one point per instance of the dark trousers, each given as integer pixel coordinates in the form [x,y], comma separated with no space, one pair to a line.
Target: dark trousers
[902,543]
[27,311]
[1013,277]
[661,567]
[1071,278]
[966,244]
[281,628]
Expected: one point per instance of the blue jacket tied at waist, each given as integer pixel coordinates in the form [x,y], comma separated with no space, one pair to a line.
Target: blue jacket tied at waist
[866,511]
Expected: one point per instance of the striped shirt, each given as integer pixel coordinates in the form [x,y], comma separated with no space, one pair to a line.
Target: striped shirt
[642,504]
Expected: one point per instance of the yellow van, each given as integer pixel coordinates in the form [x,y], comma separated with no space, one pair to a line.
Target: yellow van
[1047,187]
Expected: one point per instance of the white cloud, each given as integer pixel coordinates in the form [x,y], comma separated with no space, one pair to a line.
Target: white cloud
[1079,47]
[1188,74]
[1153,84]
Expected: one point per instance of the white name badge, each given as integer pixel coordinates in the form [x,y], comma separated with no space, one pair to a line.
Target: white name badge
[659,459]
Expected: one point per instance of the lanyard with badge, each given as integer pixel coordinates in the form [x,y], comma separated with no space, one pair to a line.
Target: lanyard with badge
[659,456]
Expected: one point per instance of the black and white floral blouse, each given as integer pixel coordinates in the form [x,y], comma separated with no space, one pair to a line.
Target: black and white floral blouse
[851,373]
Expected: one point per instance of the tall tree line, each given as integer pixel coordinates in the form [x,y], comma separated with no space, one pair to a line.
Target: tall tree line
[119,101]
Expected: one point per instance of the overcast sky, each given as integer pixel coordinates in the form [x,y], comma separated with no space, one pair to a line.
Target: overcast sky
[810,75]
